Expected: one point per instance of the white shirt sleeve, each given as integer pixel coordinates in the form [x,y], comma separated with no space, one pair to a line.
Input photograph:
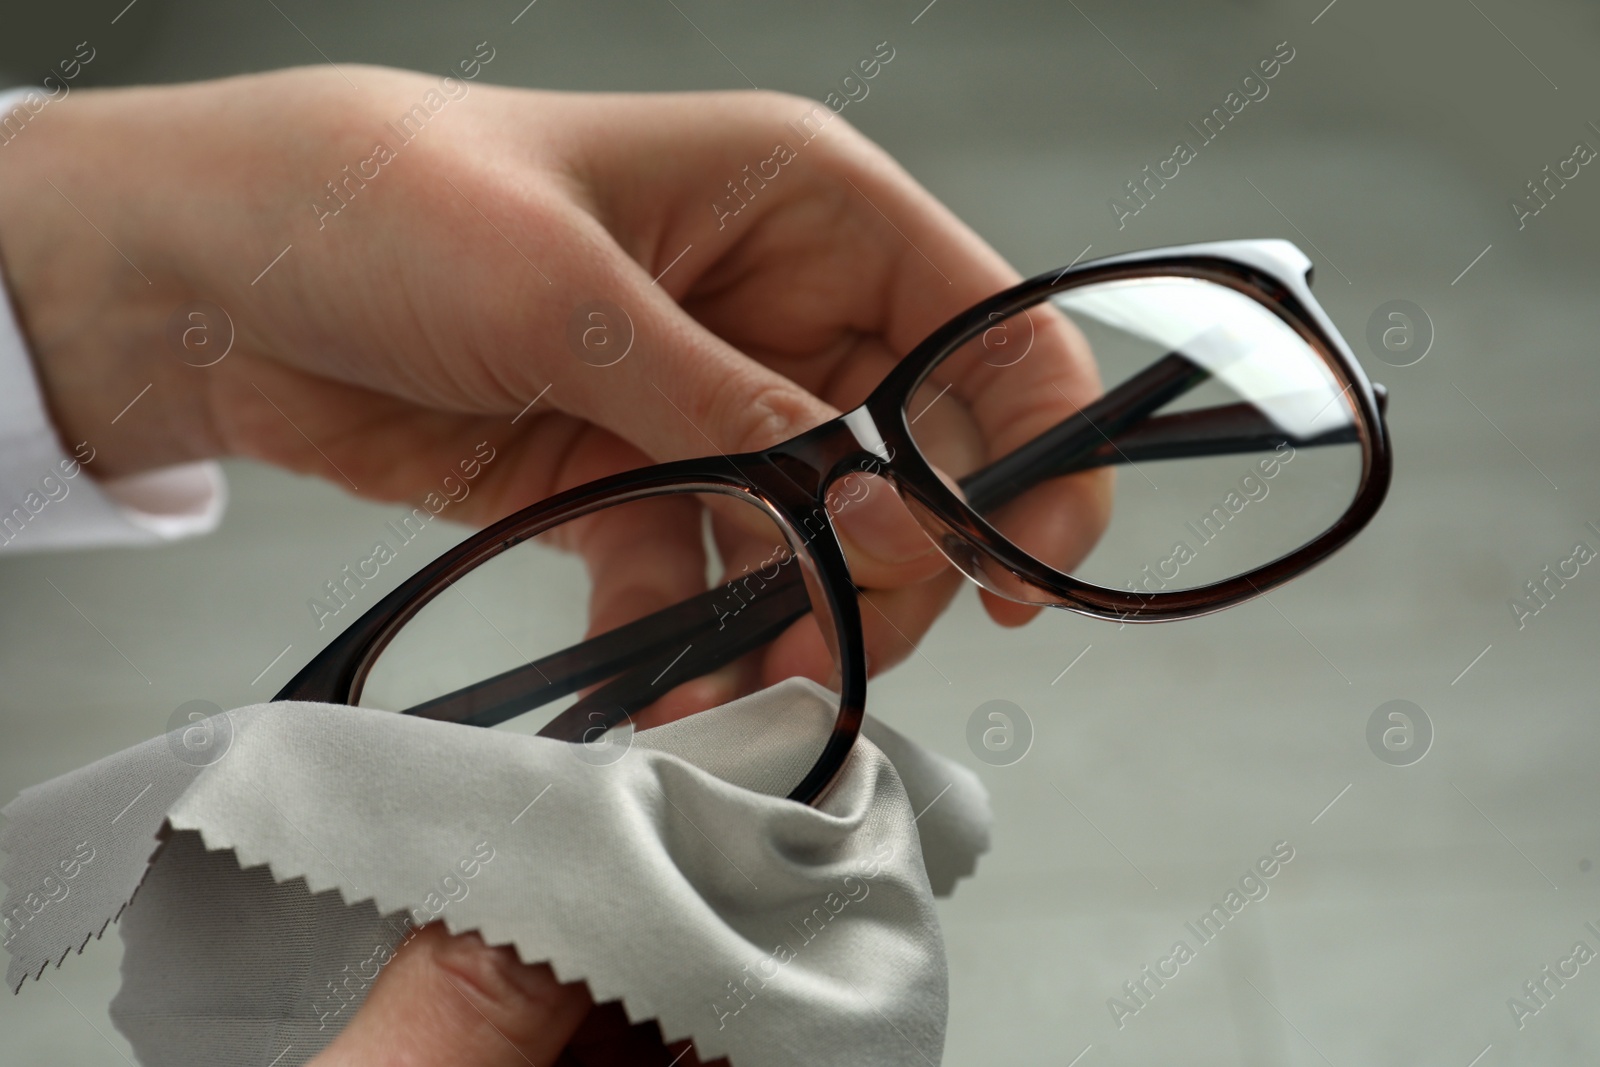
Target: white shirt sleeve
[48,500]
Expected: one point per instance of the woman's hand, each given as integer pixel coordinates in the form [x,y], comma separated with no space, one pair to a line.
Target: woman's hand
[409,264]
[451,1001]
[412,267]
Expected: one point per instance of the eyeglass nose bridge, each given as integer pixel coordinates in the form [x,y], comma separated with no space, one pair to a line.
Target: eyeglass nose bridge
[848,444]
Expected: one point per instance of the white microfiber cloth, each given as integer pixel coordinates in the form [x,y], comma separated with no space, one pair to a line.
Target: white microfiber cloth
[279,864]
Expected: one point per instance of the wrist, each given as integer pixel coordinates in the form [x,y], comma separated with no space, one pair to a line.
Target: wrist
[92,286]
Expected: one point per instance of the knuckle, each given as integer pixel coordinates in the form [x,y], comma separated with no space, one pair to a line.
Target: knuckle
[759,415]
[783,110]
[519,999]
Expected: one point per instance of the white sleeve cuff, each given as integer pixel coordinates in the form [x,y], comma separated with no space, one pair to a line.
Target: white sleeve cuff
[47,501]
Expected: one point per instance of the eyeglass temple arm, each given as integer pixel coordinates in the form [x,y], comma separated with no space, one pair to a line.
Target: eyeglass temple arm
[641,685]
[1229,430]
[1085,441]
[650,642]
[538,682]
[1078,442]
[1232,429]
[534,684]
[1053,452]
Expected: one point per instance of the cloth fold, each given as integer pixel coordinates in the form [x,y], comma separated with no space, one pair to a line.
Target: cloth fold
[287,849]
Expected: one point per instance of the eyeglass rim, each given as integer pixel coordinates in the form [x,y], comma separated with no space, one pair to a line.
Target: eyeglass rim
[1274,273]
[337,673]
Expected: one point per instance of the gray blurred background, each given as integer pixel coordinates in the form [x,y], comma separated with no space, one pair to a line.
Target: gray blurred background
[1167,759]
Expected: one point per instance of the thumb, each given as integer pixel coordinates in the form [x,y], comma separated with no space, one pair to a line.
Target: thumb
[452,1000]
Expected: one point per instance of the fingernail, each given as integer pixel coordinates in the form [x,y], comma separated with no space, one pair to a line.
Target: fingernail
[871,515]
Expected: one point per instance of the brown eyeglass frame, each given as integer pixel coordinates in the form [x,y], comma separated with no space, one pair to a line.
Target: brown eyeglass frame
[790,481]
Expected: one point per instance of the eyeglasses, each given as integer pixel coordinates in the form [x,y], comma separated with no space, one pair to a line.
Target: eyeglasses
[1239,444]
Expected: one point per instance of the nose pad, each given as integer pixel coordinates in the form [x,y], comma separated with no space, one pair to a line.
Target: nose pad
[975,561]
